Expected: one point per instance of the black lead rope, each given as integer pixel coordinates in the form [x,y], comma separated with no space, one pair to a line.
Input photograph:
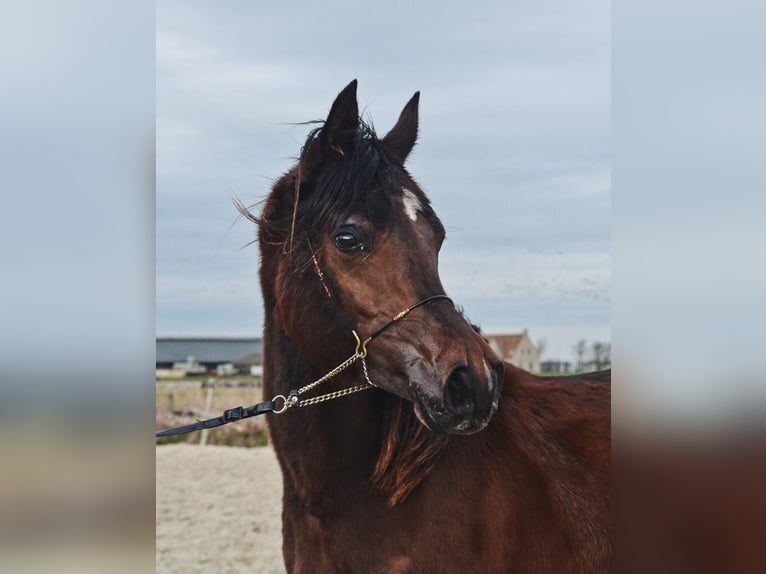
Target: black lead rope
[240,413]
[228,416]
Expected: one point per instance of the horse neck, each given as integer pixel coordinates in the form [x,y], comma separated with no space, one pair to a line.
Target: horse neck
[328,445]
[559,432]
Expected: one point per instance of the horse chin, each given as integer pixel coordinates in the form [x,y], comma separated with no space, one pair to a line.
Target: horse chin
[446,424]
[468,426]
[422,418]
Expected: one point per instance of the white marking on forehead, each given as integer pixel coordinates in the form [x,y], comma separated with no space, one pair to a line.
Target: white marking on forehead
[411,204]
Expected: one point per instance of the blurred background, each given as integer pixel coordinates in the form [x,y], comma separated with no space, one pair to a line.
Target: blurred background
[77,287]
[513,150]
[678,140]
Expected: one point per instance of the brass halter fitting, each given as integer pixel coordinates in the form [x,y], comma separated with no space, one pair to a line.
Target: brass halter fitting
[360,345]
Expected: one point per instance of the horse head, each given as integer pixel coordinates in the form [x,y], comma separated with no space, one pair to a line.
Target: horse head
[349,240]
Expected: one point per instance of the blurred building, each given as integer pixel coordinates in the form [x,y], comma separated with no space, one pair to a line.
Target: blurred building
[517,349]
[220,355]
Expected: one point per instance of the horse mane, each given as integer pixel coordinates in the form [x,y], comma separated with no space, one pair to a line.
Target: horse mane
[408,452]
[356,180]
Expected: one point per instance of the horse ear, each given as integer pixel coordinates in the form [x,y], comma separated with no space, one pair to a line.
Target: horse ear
[401,139]
[342,123]
[337,135]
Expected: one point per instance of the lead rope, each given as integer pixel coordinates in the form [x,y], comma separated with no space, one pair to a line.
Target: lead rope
[293,397]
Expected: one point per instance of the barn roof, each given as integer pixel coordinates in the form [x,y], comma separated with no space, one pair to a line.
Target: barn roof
[208,349]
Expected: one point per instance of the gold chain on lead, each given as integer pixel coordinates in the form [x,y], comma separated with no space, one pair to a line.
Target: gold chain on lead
[334,395]
[359,354]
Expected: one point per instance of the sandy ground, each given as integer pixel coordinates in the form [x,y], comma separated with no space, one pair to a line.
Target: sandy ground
[218,510]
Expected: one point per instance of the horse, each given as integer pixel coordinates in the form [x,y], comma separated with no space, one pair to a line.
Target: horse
[450,460]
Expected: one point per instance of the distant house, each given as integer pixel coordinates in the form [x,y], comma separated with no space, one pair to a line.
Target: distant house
[214,354]
[516,349]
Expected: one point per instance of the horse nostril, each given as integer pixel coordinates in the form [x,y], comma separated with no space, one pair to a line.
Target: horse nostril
[460,391]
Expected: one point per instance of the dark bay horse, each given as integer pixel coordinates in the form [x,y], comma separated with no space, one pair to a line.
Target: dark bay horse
[456,462]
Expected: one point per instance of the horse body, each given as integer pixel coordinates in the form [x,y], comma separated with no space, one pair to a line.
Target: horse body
[457,463]
[528,494]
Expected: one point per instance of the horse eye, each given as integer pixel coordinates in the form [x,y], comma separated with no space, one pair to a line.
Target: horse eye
[347,241]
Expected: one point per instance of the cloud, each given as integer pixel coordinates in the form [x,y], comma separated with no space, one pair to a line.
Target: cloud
[509,275]
[514,145]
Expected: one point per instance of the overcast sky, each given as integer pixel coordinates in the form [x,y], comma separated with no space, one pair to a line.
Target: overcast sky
[514,149]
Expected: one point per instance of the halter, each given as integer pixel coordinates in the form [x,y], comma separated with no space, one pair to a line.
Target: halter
[293,400]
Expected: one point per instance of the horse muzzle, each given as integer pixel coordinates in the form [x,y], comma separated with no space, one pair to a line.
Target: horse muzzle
[467,401]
